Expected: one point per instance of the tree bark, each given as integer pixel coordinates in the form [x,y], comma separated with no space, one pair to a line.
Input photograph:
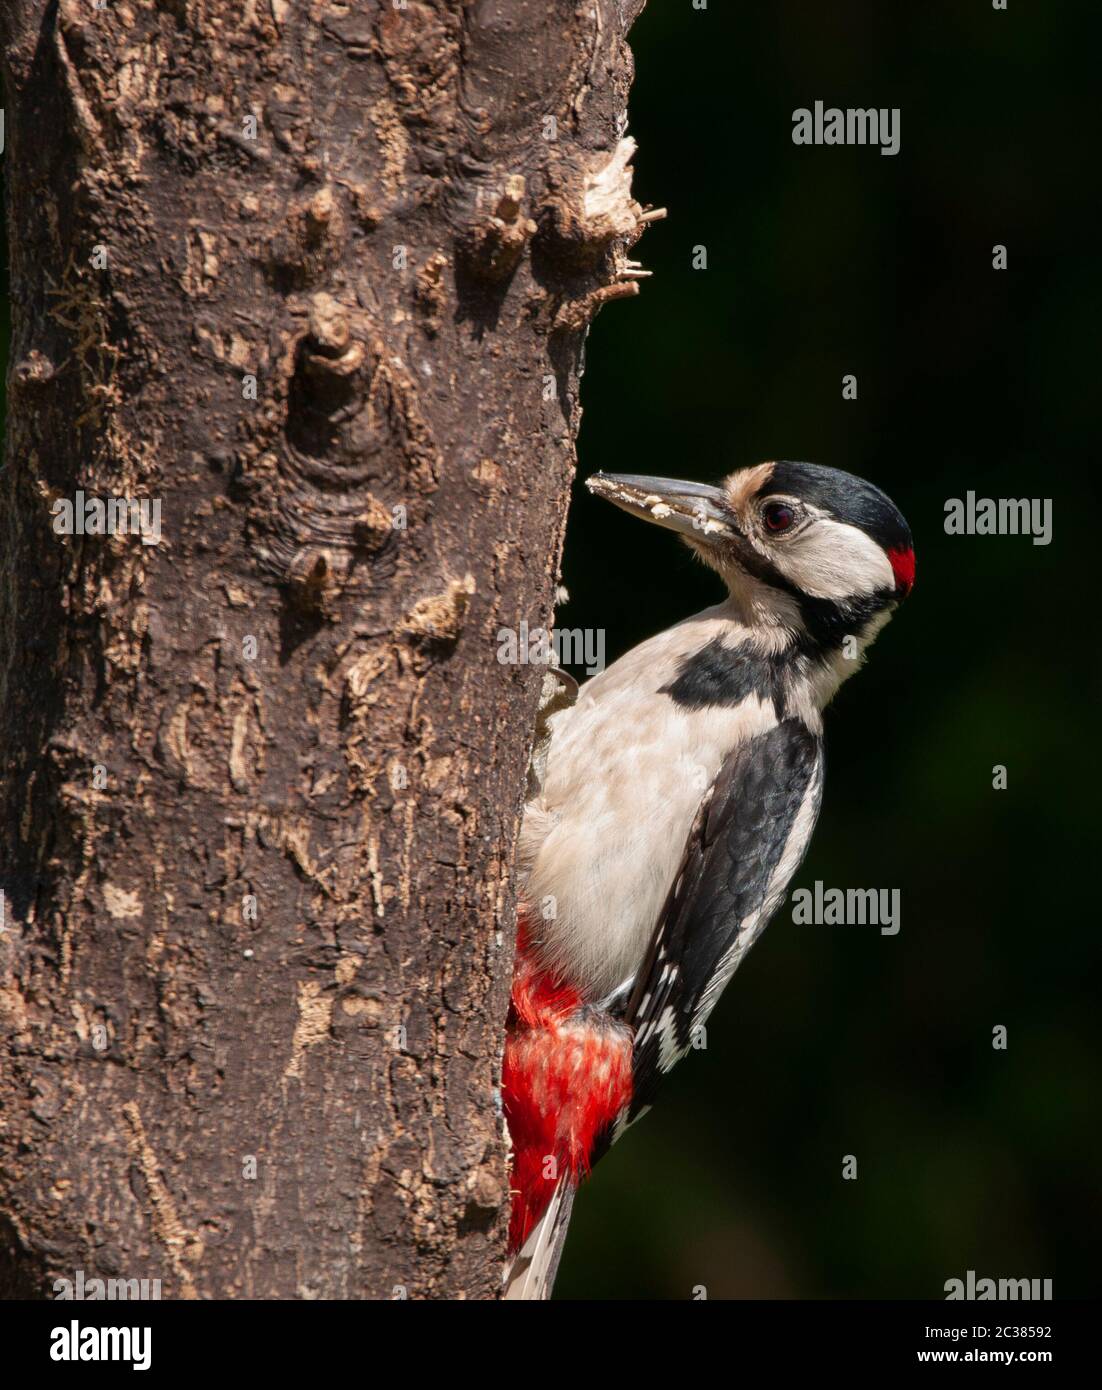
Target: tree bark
[314,277]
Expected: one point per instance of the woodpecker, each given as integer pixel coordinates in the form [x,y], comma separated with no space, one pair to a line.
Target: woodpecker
[678,798]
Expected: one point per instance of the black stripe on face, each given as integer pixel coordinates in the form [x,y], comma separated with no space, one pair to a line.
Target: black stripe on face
[826,622]
[722,675]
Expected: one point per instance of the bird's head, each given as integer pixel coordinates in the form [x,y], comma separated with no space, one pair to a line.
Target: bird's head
[812,548]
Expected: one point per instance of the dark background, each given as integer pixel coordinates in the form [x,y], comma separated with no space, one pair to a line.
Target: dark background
[824,261]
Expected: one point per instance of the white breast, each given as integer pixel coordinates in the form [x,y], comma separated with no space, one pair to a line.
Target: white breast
[600,846]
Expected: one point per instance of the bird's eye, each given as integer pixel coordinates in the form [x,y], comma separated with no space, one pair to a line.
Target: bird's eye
[778,516]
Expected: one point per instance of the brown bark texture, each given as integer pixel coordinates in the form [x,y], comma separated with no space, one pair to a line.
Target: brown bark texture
[314,278]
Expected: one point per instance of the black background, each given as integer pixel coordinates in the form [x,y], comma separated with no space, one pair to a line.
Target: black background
[824,261]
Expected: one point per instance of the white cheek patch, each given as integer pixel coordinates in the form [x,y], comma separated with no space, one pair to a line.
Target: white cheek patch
[834,560]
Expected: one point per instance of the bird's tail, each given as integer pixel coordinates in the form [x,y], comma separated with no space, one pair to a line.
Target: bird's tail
[532,1272]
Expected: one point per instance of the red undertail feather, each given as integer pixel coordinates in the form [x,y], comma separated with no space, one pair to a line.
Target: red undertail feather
[566,1076]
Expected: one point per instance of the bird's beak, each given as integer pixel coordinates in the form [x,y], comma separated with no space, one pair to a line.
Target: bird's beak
[695,510]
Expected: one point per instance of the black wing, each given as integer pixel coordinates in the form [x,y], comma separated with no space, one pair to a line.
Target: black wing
[746,842]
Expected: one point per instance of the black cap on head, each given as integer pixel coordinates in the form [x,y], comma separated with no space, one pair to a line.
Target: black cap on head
[850,499]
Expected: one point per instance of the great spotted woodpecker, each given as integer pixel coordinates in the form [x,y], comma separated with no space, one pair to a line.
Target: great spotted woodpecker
[677,800]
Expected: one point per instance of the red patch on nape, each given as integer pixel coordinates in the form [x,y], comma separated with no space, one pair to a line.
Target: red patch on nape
[903,567]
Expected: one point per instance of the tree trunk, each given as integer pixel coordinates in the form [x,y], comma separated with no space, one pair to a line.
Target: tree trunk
[312,279]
